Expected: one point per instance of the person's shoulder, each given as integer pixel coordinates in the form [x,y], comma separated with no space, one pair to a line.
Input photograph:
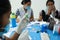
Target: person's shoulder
[31,8]
[58,11]
[20,8]
[42,11]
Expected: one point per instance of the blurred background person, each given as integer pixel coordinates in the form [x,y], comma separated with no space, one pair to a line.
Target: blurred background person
[50,11]
[25,9]
[50,14]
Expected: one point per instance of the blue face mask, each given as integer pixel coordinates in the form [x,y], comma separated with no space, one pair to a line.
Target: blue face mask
[28,8]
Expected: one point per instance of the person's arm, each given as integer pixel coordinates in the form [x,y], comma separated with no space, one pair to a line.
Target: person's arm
[40,16]
[22,25]
[32,16]
[15,36]
[57,14]
[17,14]
[18,19]
[43,16]
[18,31]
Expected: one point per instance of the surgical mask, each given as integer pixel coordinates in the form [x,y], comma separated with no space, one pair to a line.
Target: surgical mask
[47,9]
[28,8]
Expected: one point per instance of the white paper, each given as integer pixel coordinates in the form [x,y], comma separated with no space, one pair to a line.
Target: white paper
[44,36]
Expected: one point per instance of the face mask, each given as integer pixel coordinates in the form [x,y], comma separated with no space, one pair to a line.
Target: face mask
[28,8]
[47,9]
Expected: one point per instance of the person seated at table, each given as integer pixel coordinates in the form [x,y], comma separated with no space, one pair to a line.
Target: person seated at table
[5,9]
[50,14]
[25,9]
[50,11]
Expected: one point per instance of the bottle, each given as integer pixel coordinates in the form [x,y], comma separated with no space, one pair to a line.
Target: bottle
[13,20]
[44,27]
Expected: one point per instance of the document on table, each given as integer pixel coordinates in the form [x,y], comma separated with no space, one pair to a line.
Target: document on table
[44,36]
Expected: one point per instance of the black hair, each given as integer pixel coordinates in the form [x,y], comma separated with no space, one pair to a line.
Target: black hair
[25,1]
[4,7]
[50,1]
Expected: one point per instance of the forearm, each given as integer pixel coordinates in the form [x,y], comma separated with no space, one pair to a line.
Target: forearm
[15,36]
[40,18]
